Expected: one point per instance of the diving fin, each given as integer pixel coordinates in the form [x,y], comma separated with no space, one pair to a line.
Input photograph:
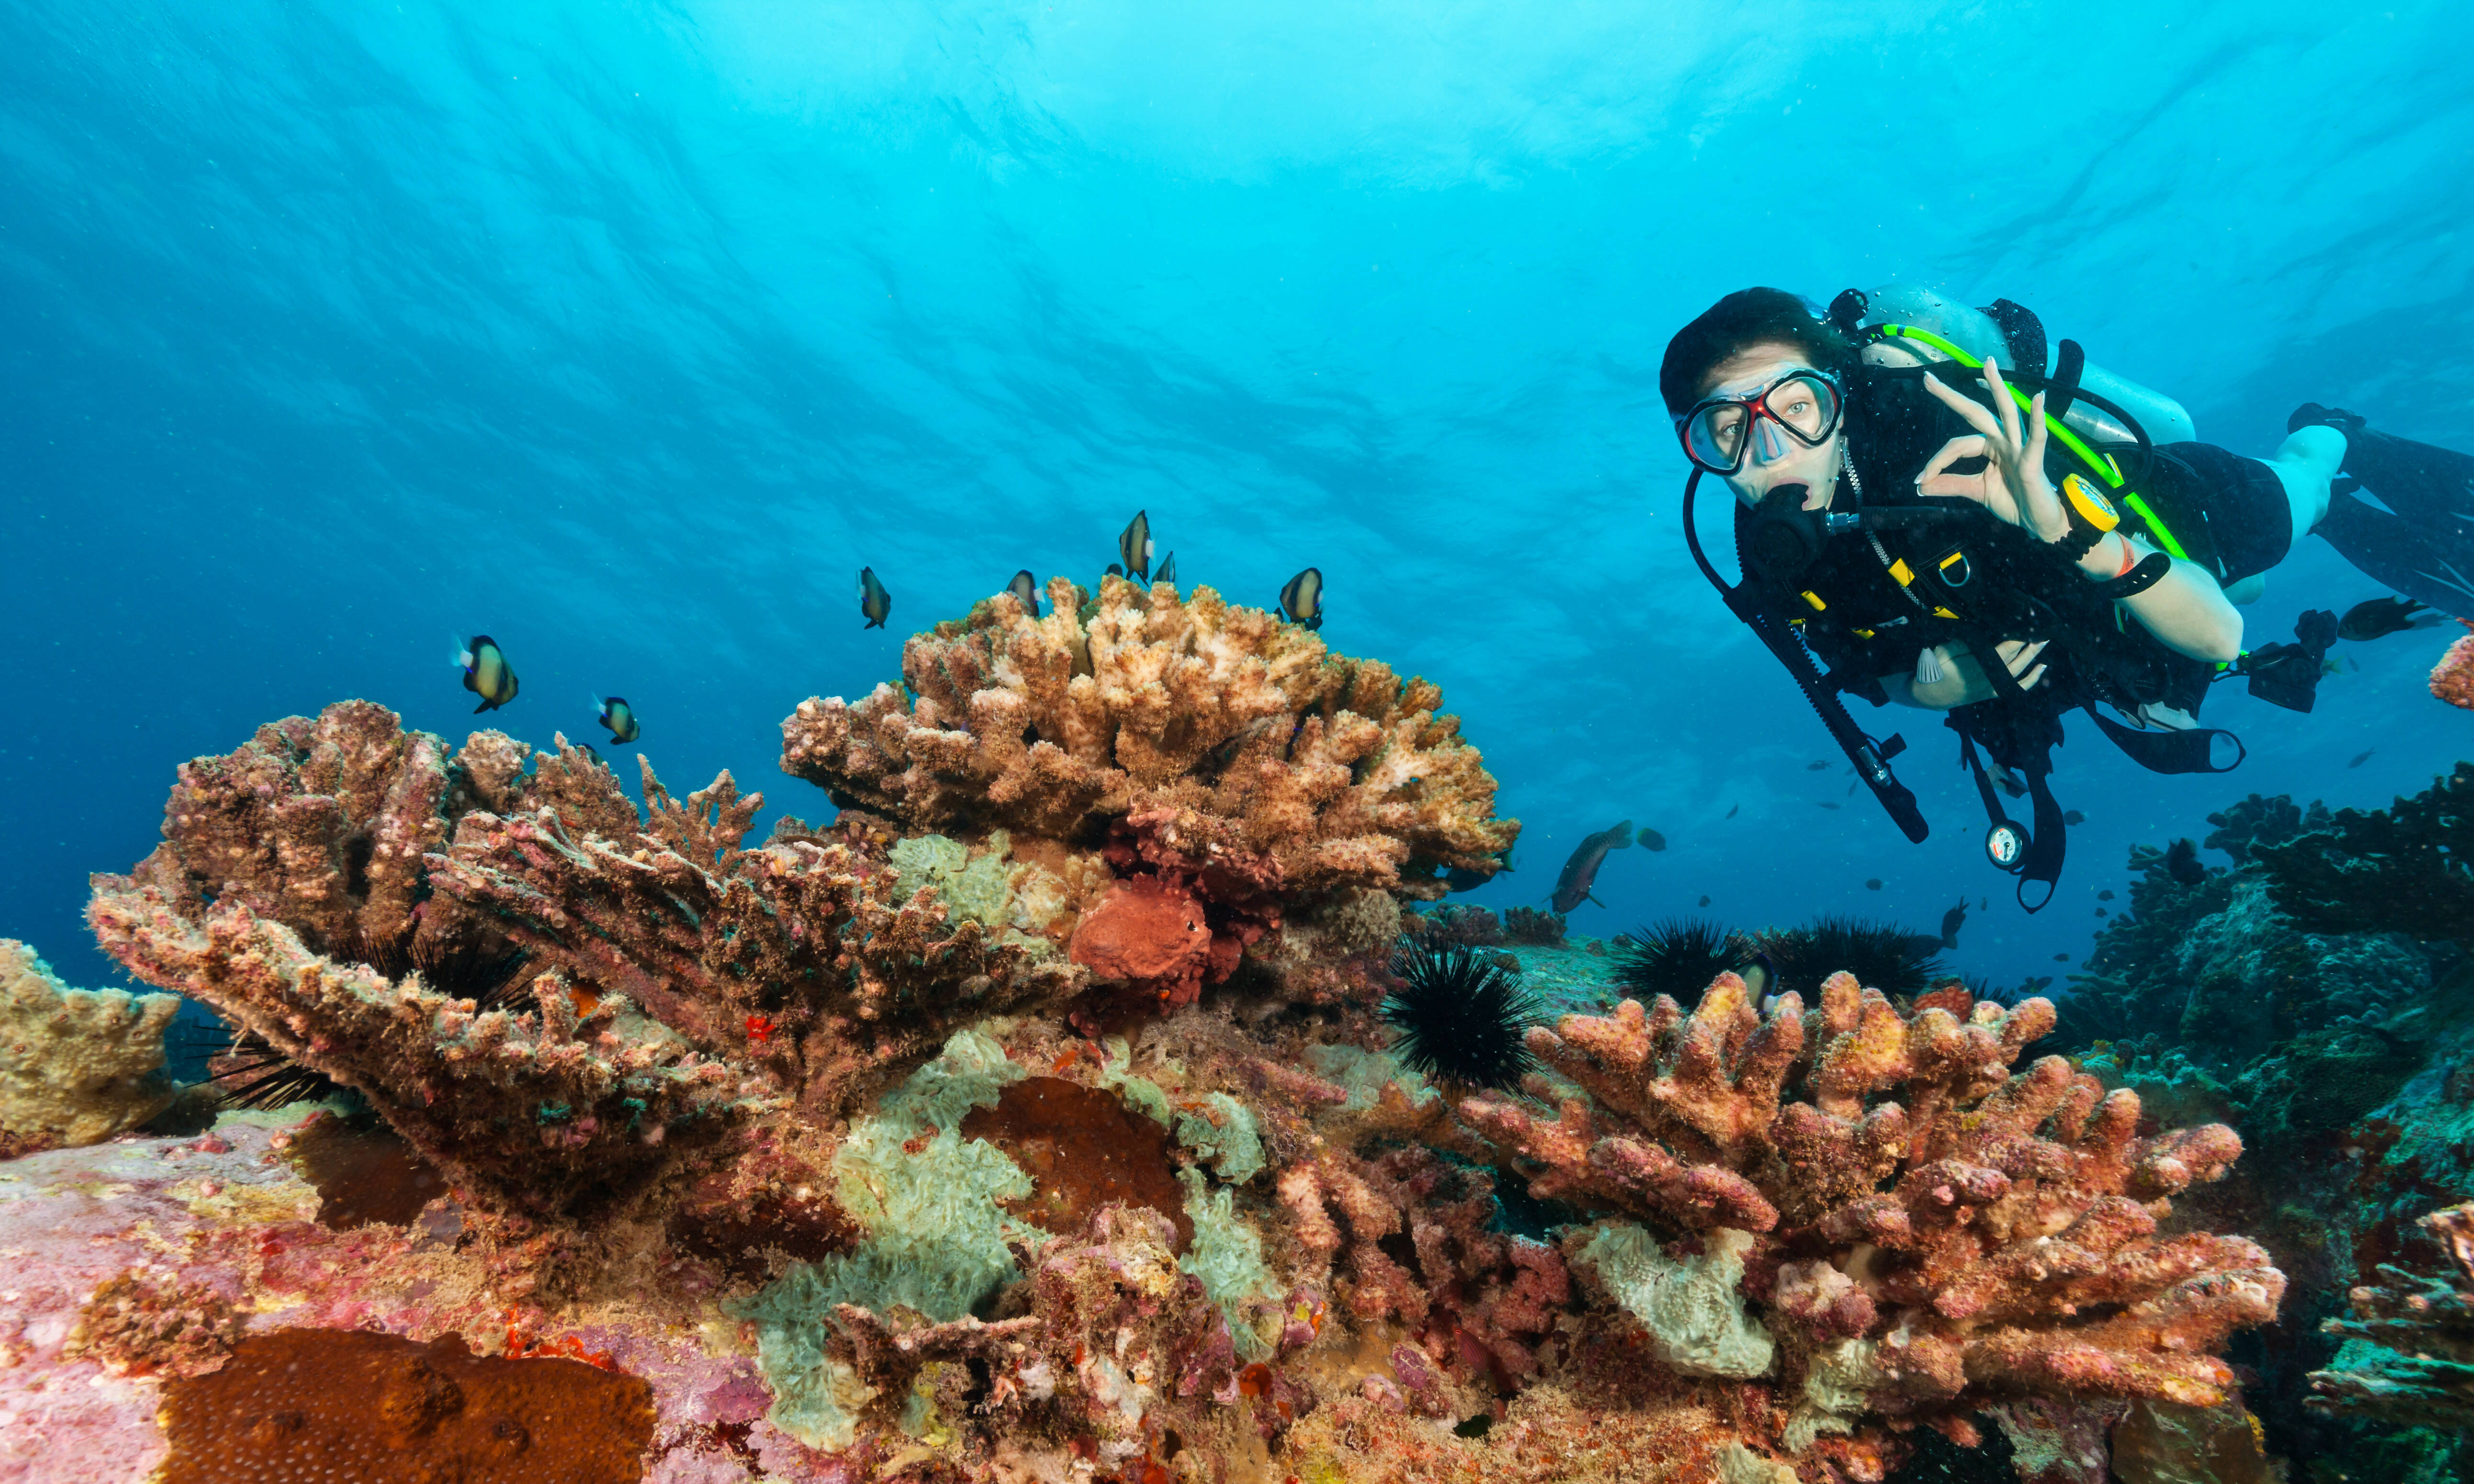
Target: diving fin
[2418,481]
[2422,543]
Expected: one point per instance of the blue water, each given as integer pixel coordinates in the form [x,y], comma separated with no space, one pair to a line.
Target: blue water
[627,333]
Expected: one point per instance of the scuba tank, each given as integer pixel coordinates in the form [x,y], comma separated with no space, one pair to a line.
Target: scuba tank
[2017,339]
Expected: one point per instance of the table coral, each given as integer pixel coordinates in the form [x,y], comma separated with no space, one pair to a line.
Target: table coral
[77,1066]
[1334,768]
[2408,1354]
[1922,1230]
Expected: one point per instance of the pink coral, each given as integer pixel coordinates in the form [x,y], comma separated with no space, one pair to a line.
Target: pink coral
[1149,934]
[1929,1229]
[2452,679]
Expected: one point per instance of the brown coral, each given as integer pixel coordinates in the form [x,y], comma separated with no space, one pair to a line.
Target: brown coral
[1334,768]
[674,979]
[348,1404]
[1929,1230]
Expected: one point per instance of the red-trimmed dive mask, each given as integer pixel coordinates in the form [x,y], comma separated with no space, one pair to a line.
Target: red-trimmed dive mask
[1804,405]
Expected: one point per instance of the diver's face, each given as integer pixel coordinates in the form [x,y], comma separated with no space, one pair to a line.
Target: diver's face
[1774,460]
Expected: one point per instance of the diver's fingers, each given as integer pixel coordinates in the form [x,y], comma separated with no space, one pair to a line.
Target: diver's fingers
[2027,681]
[2002,406]
[2036,434]
[1977,418]
[1969,447]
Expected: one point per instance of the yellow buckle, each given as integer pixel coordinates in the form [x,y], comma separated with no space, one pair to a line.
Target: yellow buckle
[1815,599]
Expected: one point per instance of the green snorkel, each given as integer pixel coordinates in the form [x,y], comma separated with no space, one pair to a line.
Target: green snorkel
[2101,464]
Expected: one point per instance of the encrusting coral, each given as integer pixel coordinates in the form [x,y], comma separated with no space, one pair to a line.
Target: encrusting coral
[1924,1229]
[77,1066]
[2408,1354]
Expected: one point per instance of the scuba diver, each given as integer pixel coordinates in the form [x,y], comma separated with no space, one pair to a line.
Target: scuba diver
[1926,508]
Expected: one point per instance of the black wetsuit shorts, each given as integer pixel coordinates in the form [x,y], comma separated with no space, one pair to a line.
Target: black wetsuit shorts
[2230,513]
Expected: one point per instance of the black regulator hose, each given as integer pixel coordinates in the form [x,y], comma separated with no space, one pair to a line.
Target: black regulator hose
[1871,758]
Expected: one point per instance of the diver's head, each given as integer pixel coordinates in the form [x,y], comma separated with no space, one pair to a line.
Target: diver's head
[1756,387]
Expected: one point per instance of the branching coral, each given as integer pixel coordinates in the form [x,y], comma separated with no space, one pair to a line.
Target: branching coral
[1335,769]
[77,1066]
[1927,1229]
[2408,1355]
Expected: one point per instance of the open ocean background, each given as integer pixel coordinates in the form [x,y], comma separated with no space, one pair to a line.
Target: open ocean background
[626,333]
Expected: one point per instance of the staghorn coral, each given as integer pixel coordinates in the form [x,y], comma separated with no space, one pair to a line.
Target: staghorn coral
[77,1066]
[1925,1229]
[1335,769]
[2408,1355]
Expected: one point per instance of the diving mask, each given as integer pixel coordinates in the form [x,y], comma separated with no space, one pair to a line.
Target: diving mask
[1804,405]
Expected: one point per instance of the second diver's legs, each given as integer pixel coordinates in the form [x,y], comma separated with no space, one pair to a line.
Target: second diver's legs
[2425,549]
[2305,463]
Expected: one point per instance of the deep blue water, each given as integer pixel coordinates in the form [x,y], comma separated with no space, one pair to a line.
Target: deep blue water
[627,333]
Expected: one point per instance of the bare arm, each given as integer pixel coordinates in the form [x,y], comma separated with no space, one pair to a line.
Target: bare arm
[2185,609]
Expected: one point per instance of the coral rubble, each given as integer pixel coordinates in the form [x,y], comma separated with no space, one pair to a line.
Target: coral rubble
[77,1066]
[1924,1229]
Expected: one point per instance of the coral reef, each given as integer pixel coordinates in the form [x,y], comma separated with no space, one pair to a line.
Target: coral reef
[1078,1105]
[2393,869]
[77,1066]
[1924,1229]
[2408,1354]
[1535,928]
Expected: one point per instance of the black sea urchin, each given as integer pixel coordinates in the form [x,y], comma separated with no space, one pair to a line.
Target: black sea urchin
[1460,1017]
[1882,955]
[1679,957]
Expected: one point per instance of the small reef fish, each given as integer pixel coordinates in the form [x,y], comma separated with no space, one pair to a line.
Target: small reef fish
[2380,618]
[2182,862]
[1732,809]
[2361,758]
[2072,817]
[1134,546]
[1581,872]
[2106,895]
[2061,958]
[486,672]
[1301,598]
[615,713]
[2033,983]
[1872,884]
[1830,803]
[1026,591]
[1951,922]
[1705,901]
[1649,838]
[874,601]
[1816,766]
[1167,572]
